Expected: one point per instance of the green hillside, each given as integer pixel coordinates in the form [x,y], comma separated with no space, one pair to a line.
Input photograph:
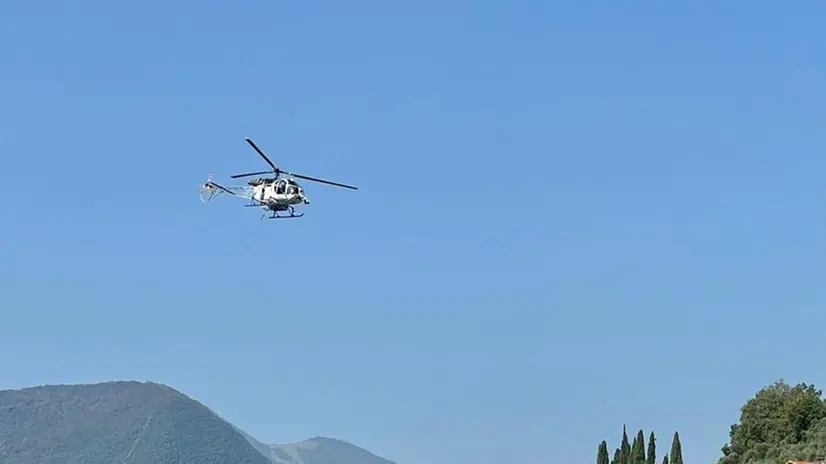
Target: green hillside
[116,422]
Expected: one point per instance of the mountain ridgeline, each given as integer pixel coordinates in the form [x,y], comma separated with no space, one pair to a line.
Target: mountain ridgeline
[141,423]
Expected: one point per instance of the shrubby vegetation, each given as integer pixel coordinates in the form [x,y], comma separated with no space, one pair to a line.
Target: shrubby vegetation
[115,422]
[780,423]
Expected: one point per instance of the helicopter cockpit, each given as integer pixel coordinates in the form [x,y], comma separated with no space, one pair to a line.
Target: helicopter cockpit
[292,187]
[287,187]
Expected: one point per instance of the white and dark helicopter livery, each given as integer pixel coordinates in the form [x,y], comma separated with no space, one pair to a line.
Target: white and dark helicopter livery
[275,194]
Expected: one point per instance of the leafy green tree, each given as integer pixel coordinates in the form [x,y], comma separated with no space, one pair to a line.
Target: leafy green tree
[812,448]
[665,459]
[676,450]
[777,417]
[602,453]
[651,456]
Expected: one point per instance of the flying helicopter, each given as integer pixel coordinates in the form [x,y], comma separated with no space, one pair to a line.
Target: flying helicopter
[274,193]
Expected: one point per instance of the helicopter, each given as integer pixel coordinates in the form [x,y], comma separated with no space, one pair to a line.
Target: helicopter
[274,193]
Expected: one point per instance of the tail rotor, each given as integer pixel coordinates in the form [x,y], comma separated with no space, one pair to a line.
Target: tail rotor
[207,190]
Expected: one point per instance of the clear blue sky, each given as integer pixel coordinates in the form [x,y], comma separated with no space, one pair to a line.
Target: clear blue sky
[572,215]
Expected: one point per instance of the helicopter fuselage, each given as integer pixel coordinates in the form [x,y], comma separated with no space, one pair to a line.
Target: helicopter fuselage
[279,192]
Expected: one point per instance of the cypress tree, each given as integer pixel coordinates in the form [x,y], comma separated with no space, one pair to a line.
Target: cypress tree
[602,453]
[676,450]
[617,457]
[625,448]
[632,456]
[665,459]
[638,450]
[651,457]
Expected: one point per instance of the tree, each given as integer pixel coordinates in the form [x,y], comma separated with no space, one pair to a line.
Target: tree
[627,453]
[676,450]
[625,448]
[602,453]
[617,459]
[778,416]
[651,456]
[638,449]
[665,459]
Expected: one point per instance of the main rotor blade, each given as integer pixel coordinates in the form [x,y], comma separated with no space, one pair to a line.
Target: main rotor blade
[254,146]
[314,179]
[251,174]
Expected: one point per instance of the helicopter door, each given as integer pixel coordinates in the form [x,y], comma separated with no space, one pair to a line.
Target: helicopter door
[281,187]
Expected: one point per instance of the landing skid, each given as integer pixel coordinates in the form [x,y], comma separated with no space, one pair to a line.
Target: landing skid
[292,215]
[274,213]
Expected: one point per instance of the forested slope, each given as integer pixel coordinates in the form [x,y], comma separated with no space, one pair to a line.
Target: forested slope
[115,422]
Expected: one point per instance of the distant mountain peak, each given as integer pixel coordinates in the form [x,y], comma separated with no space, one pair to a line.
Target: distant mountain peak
[317,441]
[142,421]
[323,450]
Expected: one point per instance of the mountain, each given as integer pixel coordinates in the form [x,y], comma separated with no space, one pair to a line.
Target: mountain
[322,450]
[140,423]
[115,422]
